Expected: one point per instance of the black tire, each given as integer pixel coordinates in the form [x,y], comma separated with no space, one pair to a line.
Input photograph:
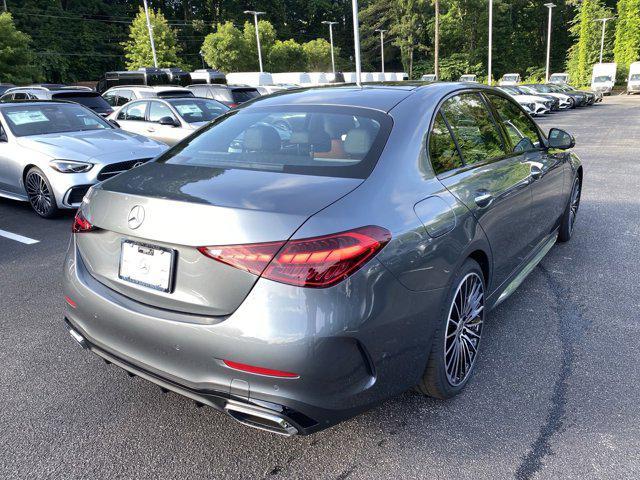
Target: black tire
[568,219]
[436,380]
[40,193]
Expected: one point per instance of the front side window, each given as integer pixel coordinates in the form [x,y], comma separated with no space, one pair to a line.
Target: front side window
[520,129]
[135,112]
[473,127]
[25,120]
[158,110]
[309,140]
[442,149]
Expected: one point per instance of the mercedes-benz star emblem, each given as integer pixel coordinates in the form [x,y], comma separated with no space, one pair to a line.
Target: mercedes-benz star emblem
[137,164]
[136,217]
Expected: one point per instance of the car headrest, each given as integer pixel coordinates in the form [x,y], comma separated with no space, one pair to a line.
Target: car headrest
[262,138]
[319,140]
[357,141]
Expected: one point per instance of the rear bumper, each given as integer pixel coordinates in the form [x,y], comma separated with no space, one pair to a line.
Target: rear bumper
[352,345]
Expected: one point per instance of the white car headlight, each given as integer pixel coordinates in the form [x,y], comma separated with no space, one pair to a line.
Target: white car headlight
[70,166]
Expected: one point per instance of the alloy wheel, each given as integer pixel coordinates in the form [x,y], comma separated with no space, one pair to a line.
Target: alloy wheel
[464,329]
[39,194]
[575,203]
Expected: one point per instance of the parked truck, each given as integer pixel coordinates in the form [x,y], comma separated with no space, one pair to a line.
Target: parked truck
[633,82]
[603,78]
[559,78]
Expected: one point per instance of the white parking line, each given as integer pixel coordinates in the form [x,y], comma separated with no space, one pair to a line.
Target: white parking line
[18,238]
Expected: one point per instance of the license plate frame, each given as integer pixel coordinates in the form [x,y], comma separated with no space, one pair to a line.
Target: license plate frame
[127,276]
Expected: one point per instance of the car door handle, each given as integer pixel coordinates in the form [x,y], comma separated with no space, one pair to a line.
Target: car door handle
[536,172]
[151,129]
[483,198]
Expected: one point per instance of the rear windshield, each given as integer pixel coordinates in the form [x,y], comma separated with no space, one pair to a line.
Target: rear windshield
[93,100]
[244,95]
[309,140]
[199,109]
[633,78]
[25,120]
[602,78]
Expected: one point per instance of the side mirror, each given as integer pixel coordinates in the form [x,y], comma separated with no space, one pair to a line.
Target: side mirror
[560,139]
[114,123]
[3,137]
[169,121]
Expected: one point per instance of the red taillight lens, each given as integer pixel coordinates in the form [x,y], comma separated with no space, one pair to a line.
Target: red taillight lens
[81,224]
[259,370]
[317,262]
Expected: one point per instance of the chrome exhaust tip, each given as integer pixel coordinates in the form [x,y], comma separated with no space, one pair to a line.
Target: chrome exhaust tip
[259,419]
[78,338]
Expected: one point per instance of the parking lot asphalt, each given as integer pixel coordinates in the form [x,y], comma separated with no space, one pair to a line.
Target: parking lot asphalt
[555,394]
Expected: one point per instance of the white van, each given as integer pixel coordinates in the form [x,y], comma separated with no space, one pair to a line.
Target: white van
[468,77]
[318,78]
[604,77]
[510,79]
[295,78]
[428,77]
[633,82]
[253,79]
[559,78]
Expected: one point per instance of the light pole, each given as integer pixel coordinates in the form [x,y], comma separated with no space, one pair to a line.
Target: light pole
[356,40]
[255,21]
[333,60]
[202,57]
[550,6]
[153,45]
[604,23]
[381,47]
[436,50]
[490,41]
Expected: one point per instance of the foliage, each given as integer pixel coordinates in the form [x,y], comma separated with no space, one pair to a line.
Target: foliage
[226,49]
[286,56]
[535,75]
[407,29]
[586,51]
[456,65]
[626,48]
[138,48]
[318,55]
[16,58]
[267,39]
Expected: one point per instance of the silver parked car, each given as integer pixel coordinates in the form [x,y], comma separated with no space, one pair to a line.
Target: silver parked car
[52,152]
[170,120]
[47,91]
[295,280]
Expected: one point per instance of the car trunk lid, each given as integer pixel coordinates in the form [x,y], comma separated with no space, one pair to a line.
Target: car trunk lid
[186,207]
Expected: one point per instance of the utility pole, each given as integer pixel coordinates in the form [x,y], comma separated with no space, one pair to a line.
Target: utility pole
[550,6]
[604,23]
[490,41]
[436,52]
[5,4]
[333,60]
[153,45]
[255,21]
[381,47]
[356,40]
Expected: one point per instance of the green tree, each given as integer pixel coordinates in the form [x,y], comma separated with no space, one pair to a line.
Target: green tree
[138,48]
[585,52]
[626,48]
[267,39]
[16,58]
[407,29]
[318,53]
[226,49]
[286,56]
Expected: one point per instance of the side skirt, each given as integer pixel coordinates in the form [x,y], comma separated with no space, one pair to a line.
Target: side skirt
[527,269]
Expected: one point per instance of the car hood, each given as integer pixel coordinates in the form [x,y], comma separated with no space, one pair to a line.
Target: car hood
[93,143]
[530,98]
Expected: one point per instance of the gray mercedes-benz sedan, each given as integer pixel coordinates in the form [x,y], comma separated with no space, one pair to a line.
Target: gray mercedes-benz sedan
[307,256]
[51,152]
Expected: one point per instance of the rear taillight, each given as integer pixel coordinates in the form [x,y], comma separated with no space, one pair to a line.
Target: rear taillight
[81,224]
[309,262]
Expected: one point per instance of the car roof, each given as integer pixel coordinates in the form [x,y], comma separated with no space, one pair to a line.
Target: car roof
[6,103]
[379,96]
[156,88]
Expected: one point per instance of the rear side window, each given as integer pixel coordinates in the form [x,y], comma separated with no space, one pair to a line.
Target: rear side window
[442,149]
[520,129]
[308,140]
[473,127]
[240,96]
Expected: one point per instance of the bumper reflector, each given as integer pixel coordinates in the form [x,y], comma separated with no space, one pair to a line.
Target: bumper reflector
[70,302]
[259,370]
